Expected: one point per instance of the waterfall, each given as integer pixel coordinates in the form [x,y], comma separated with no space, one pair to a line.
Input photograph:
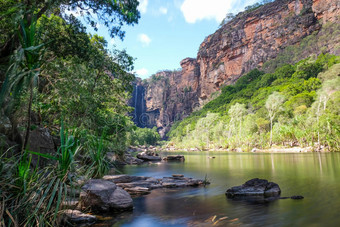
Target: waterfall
[136,95]
[142,101]
[138,103]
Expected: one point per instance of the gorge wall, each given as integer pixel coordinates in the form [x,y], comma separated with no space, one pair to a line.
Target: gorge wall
[244,43]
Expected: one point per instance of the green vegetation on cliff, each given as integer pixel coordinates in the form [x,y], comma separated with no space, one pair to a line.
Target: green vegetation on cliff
[296,104]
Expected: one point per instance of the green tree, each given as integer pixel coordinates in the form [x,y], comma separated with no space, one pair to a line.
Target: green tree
[237,113]
[23,73]
[274,105]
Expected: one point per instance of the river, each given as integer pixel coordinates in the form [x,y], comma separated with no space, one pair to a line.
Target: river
[313,175]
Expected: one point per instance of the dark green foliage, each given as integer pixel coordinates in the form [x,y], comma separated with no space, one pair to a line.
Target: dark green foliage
[307,69]
[100,165]
[33,196]
[155,78]
[144,136]
[187,89]
[112,14]
[69,147]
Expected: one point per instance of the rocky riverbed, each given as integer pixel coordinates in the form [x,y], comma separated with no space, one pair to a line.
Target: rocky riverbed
[113,194]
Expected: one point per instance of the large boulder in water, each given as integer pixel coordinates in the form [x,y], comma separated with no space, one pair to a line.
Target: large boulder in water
[104,196]
[255,187]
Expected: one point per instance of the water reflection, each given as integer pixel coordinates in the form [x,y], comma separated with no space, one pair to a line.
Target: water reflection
[313,175]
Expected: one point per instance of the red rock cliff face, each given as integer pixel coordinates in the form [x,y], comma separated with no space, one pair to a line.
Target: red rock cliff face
[239,46]
[171,96]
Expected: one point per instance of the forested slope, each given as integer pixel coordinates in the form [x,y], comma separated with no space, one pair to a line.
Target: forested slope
[298,103]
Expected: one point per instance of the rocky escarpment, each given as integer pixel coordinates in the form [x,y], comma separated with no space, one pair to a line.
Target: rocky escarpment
[171,96]
[245,43]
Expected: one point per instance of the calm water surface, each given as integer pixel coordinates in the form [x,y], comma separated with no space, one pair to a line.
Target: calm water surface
[313,175]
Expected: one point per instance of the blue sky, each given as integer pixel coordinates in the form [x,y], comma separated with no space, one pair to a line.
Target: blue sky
[170,30]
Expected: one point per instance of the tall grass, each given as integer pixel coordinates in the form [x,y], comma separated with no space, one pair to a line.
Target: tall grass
[33,197]
[66,152]
[99,164]
[29,197]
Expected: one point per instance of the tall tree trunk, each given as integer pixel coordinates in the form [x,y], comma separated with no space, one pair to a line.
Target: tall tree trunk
[271,131]
[28,120]
[318,123]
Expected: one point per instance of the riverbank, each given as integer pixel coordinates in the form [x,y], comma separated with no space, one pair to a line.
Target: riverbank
[312,175]
[273,149]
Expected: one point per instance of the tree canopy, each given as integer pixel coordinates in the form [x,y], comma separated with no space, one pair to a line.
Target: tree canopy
[111,13]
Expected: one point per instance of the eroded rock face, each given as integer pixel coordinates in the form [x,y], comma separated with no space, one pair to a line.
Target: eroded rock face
[255,187]
[173,96]
[104,196]
[236,48]
[41,140]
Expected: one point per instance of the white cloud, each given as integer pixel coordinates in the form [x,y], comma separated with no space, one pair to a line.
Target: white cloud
[163,10]
[143,5]
[142,72]
[196,10]
[144,39]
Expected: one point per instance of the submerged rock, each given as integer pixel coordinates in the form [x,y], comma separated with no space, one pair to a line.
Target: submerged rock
[174,158]
[255,187]
[104,196]
[297,197]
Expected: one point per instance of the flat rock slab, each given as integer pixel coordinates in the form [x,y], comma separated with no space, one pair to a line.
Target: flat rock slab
[137,191]
[149,158]
[255,187]
[137,185]
[104,196]
[174,158]
[77,217]
[123,178]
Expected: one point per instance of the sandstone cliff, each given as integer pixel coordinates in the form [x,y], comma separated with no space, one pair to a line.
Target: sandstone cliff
[237,47]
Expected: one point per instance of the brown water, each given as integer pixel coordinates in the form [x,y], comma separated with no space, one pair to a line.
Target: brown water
[313,175]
